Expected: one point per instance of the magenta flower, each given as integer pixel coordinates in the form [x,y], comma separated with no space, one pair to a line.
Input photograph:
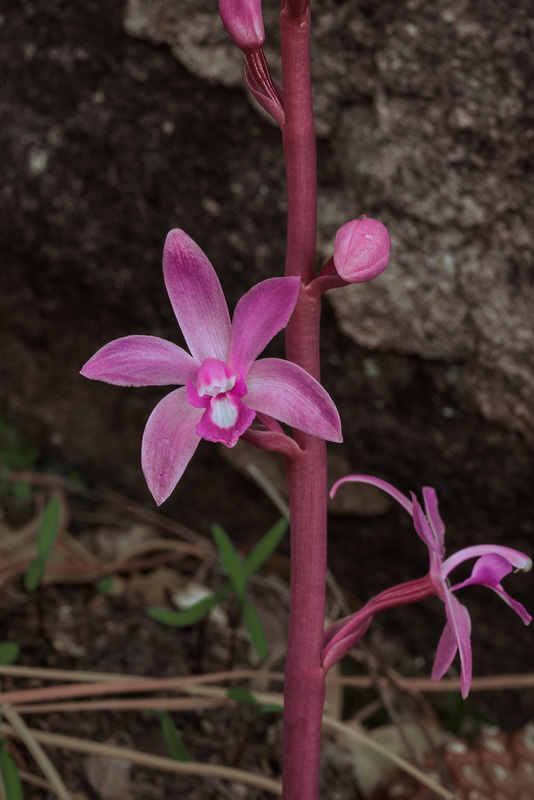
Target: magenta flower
[493,564]
[225,384]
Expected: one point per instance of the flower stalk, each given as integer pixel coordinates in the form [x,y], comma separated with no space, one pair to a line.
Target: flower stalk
[307,483]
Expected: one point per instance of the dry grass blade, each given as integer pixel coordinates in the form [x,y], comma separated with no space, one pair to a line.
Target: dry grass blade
[152,762]
[31,742]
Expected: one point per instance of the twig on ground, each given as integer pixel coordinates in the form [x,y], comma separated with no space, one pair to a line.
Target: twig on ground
[151,761]
[31,741]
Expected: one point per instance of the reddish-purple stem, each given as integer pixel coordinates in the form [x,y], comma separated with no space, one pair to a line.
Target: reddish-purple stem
[304,682]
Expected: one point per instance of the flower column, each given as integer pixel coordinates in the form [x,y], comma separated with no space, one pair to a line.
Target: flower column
[304,683]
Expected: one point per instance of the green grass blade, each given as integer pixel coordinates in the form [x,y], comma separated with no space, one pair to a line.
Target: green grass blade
[242,696]
[34,574]
[188,616]
[265,547]
[271,708]
[9,652]
[48,528]
[230,561]
[255,629]
[172,738]
[10,776]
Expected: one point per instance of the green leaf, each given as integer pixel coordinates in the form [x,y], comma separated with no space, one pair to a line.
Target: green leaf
[104,585]
[9,652]
[172,738]
[271,708]
[265,547]
[10,776]
[188,616]
[242,696]
[48,528]
[255,629]
[33,575]
[230,561]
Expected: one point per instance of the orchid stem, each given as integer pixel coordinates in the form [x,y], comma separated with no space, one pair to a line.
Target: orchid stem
[304,677]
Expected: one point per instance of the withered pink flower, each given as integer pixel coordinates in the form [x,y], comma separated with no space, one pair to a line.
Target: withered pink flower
[225,384]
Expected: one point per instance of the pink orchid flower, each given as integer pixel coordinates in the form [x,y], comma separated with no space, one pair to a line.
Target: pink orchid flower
[225,384]
[493,564]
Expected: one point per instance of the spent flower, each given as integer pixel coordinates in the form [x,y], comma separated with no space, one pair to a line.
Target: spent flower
[225,382]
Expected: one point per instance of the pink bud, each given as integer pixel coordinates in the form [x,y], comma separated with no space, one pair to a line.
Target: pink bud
[243,22]
[361,250]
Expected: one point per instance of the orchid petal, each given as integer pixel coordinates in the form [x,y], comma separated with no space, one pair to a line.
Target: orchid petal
[141,361]
[169,441]
[430,499]
[387,487]
[196,297]
[290,394]
[488,571]
[259,315]
[516,558]
[422,527]
[459,622]
[445,653]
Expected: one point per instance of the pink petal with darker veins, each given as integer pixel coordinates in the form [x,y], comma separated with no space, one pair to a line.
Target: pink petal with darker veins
[259,315]
[288,393]
[169,441]
[141,361]
[437,525]
[459,622]
[196,297]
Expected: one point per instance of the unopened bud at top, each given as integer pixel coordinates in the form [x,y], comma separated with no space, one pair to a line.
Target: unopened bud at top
[361,250]
[243,22]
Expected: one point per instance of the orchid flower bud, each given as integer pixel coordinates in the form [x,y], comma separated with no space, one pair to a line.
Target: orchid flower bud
[243,22]
[361,250]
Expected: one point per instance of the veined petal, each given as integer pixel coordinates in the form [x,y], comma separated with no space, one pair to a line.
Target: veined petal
[169,441]
[446,650]
[196,297]
[387,487]
[430,500]
[141,361]
[259,315]
[459,622]
[422,527]
[288,393]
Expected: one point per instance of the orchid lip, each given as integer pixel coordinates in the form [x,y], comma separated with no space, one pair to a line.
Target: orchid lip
[519,561]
